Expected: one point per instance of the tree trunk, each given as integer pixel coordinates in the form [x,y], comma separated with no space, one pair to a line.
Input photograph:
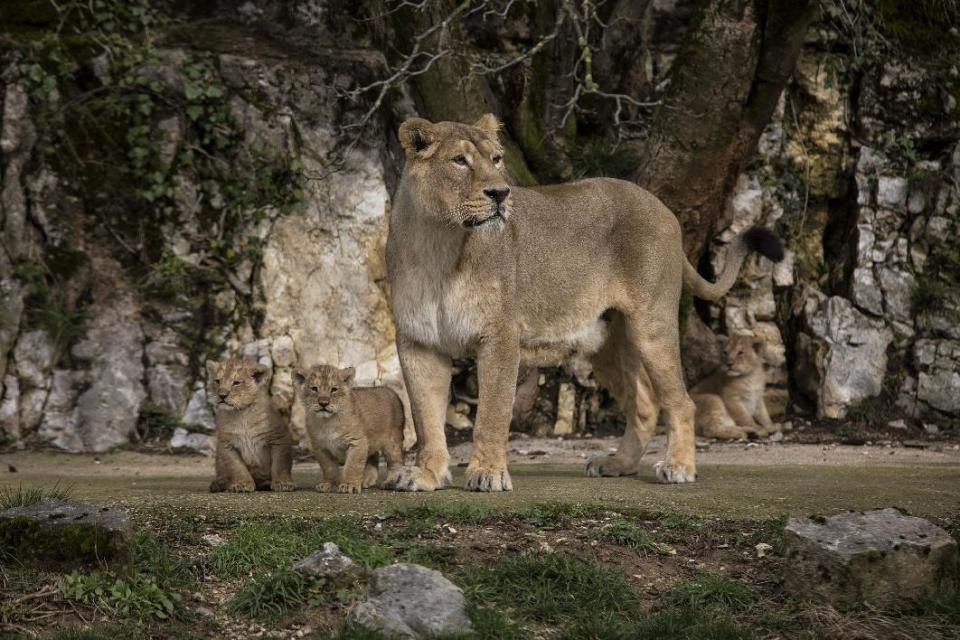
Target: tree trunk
[724,86]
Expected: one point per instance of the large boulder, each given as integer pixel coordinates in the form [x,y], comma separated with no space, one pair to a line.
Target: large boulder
[881,558]
[411,601]
[65,535]
[841,353]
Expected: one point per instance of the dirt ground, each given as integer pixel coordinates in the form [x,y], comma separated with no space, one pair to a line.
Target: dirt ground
[737,480]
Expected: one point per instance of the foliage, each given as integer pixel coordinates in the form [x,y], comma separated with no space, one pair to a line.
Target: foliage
[155,422]
[271,595]
[138,596]
[11,498]
[45,308]
[709,589]
[625,534]
[595,156]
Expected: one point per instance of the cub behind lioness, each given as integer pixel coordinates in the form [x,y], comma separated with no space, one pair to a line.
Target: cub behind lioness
[730,401]
[254,448]
[348,426]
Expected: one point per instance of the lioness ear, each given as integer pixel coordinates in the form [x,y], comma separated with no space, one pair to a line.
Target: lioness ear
[261,373]
[348,374]
[416,135]
[299,377]
[213,368]
[489,124]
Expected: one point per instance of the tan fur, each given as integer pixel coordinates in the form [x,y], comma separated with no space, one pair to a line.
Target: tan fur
[254,447]
[594,267]
[349,426]
[730,401]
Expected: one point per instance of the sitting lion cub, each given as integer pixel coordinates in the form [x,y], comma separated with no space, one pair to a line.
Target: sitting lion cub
[730,400]
[348,426]
[254,447]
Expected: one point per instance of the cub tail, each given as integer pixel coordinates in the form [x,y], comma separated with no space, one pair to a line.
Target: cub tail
[759,239]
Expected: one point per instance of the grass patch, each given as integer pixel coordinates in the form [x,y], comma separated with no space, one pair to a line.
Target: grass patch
[709,590]
[625,534]
[139,596]
[549,588]
[11,498]
[272,595]
[676,624]
[155,422]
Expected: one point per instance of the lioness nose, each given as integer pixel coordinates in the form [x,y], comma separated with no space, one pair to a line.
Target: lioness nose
[497,194]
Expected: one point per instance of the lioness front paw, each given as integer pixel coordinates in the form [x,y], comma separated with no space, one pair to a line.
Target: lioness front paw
[283,485]
[417,479]
[675,472]
[240,487]
[325,487]
[610,466]
[487,479]
[349,488]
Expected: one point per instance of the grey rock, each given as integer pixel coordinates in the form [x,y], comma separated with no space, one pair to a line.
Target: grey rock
[897,287]
[34,356]
[892,192]
[938,381]
[864,291]
[183,440]
[328,562]
[841,355]
[67,534]
[882,558]
[10,410]
[411,601]
[198,411]
[17,137]
[60,421]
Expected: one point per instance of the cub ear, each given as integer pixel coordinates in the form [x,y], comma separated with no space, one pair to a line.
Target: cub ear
[416,136]
[213,369]
[489,124]
[300,377]
[348,374]
[261,373]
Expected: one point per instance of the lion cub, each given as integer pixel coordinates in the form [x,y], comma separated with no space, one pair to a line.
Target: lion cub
[730,400]
[348,426]
[254,447]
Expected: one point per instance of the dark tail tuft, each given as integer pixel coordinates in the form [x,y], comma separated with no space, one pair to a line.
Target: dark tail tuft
[764,242]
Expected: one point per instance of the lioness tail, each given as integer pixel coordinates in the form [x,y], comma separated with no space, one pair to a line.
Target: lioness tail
[759,239]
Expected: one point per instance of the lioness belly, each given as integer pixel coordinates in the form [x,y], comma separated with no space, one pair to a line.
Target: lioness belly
[548,348]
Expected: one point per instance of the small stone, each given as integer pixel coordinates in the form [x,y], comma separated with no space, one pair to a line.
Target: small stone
[213,540]
[63,534]
[881,558]
[892,192]
[762,549]
[932,429]
[328,562]
[411,601]
[776,436]
[898,424]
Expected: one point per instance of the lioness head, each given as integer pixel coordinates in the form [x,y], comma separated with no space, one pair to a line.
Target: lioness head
[741,355]
[324,389]
[456,171]
[235,383]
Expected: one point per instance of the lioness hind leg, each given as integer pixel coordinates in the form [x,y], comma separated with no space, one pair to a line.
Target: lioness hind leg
[657,333]
[618,367]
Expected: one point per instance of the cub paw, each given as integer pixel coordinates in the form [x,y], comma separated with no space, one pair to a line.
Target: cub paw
[486,479]
[370,476]
[674,472]
[417,479]
[610,466]
[325,487]
[349,488]
[283,485]
[240,487]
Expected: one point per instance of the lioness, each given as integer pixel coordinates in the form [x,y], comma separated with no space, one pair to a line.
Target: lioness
[730,400]
[511,274]
[349,426]
[254,447]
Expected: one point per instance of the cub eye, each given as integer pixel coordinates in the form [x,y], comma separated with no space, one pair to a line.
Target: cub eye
[216,381]
[236,383]
[334,389]
[315,389]
[462,161]
[497,159]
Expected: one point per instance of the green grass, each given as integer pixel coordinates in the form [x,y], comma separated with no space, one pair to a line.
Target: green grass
[710,589]
[11,498]
[550,588]
[272,595]
[138,596]
[625,534]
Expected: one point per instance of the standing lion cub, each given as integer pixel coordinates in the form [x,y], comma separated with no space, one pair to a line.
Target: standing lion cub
[348,426]
[254,447]
[730,400]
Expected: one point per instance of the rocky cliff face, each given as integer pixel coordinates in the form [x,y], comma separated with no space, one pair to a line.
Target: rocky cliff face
[208,196]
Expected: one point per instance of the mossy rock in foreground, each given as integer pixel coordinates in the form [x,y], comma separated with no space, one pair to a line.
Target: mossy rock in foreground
[66,535]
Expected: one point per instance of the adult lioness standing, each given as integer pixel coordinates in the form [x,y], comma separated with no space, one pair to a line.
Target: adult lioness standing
[509,274]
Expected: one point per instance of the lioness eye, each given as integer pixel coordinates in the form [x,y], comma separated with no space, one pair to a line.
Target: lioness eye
[496,159]
[462,161]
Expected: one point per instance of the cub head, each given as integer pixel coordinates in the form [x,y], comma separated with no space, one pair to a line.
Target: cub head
[324,389]
[456,171]
[741,355]
[235,383]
